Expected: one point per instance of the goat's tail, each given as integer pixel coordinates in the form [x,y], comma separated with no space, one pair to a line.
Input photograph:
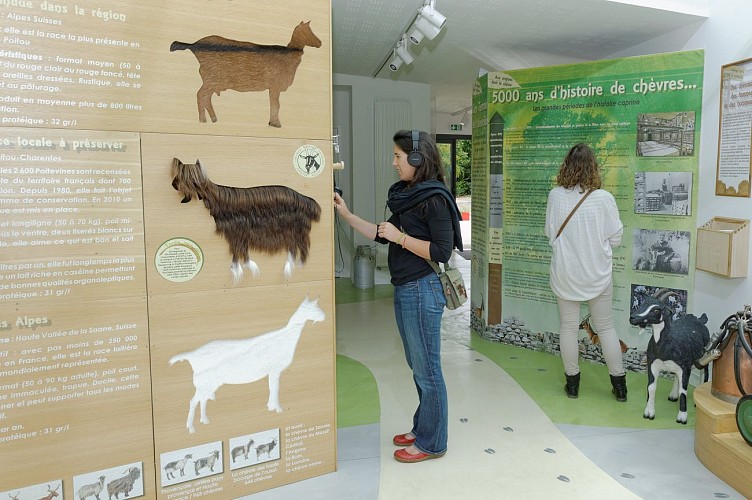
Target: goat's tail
[179,46]
[179,357]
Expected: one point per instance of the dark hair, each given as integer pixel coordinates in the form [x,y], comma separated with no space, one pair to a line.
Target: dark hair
[431,168]
[579,167]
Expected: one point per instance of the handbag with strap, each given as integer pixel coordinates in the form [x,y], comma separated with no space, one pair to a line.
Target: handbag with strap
[572,212]
[452,283]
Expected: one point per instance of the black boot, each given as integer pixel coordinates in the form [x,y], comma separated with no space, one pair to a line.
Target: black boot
[572,388]
[620,387]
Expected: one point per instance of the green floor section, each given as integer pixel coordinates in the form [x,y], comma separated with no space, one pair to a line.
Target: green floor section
[346,293]
[541,375]
[357,394]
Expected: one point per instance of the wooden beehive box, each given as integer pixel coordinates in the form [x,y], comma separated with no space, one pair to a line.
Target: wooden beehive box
[723,247]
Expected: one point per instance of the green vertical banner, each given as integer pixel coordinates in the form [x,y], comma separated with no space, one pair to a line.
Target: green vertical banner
[641,116]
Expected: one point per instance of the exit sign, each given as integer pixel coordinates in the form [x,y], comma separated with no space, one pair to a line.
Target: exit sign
[455,126]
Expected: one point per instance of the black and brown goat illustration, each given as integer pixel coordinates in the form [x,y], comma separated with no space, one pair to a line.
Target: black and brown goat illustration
[267,219]
[226,64]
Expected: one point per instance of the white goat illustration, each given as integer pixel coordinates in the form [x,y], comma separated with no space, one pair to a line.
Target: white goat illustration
[242,361]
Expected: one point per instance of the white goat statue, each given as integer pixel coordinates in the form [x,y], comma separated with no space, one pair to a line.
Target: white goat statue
[242,361]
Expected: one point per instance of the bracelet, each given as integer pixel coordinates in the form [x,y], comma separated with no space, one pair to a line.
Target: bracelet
[401,240]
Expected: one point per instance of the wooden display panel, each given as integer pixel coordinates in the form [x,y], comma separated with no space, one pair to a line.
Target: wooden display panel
[88,252]
[109,65]
[237,162]
[303,431]
[74,350]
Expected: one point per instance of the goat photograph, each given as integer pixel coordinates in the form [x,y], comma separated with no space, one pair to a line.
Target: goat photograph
[122,481]
[264,219]
[254,449]
[187,464]
[226,64]
[242,361]
[660,251]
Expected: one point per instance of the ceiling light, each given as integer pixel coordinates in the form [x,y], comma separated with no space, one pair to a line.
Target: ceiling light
[423,28]
[401,55]
[464,119]
[396,62]
[402,51]
[430,13]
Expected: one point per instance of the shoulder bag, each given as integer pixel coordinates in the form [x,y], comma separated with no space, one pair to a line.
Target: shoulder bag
[452,283]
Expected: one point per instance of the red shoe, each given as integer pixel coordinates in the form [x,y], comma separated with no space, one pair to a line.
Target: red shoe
[407,458]
[403,440]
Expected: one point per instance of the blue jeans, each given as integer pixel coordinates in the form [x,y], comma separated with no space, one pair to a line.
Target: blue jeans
[418,306]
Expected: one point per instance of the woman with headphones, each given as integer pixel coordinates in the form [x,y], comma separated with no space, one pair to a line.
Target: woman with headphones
[424,225]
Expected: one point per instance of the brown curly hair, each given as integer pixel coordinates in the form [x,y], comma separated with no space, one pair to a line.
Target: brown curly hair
[580,167]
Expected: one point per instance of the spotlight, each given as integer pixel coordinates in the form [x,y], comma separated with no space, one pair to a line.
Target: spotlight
[423,28]
[401,55]
[396,62]
[430,13]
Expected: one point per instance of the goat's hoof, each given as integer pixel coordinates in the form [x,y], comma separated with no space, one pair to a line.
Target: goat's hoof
[214,119]
[674,399]
[649,417]
[275,124]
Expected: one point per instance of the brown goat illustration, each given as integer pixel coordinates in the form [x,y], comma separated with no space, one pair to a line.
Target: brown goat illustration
[585,325]
[226,64]
[268,219]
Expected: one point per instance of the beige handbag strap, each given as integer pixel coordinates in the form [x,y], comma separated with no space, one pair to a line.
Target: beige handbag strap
[436,267]
[572,212]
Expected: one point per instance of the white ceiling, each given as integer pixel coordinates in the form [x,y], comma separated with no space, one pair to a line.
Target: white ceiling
[494,35]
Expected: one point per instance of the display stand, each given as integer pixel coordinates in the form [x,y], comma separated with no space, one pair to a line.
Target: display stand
[718,444]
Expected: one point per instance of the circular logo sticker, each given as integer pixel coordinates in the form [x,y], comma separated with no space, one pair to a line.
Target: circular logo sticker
[179,260]
[308,161]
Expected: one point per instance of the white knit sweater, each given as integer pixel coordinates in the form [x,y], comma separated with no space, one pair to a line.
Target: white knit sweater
[581,256]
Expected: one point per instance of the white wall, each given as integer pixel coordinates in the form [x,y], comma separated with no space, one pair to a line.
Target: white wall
[359,180]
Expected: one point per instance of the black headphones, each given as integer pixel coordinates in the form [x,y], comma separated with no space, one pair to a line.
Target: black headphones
[415,157]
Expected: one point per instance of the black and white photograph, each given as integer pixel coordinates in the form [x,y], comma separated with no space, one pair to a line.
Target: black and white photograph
[660,251]
[666,134]
[663,193]
[677,300]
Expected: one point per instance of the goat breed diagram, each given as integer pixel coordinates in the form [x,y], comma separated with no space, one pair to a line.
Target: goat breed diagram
[226,64]
[268,219]
[242,361]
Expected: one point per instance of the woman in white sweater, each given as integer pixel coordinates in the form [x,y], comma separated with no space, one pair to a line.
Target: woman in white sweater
[581,262]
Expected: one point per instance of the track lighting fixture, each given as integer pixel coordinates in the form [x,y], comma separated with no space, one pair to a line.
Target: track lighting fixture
[427,23]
